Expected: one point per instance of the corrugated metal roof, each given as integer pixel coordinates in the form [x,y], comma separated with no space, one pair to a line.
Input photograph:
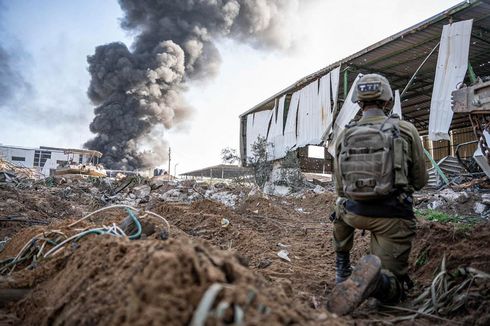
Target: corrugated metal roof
[398,57]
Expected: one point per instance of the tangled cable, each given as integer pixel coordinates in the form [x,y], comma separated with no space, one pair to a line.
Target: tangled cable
[447,293]
[34,249]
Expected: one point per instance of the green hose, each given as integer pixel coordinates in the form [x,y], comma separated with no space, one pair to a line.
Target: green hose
[138,225]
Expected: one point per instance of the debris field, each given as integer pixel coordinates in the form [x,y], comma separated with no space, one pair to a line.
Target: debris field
[232,255]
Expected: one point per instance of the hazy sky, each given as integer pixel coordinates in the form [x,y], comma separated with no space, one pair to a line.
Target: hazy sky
[52,38]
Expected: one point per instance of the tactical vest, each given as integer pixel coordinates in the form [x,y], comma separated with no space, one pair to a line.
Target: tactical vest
[373,160]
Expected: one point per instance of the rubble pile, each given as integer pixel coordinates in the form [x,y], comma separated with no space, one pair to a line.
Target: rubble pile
[467,202]
[233,253]
[10,173]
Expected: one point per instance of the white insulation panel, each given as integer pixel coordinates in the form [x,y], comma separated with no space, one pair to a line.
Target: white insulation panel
[452,63]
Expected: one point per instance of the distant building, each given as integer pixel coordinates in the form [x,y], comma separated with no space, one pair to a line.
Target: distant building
[46,159]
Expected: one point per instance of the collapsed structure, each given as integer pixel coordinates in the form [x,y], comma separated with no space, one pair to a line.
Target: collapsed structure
[424,63]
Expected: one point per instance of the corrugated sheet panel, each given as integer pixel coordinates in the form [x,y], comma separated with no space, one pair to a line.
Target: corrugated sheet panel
[309,116]
[461,136]
[346,114]
[452,64]
[257,126]
[275,139]
[324,97]
[290,128]
[440,149]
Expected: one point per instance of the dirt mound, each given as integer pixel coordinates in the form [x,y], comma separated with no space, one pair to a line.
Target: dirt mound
[109,281]
[462,247]
[260,227]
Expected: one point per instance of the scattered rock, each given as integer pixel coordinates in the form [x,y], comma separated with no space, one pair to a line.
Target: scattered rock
[435,204]
[319,190]
[141,191]
[224,197]
[479,208]
[485,199]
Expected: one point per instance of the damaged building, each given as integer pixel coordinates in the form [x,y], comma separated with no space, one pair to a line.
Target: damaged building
[424,64]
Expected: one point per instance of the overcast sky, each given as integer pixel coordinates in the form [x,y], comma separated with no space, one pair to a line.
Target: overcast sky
[52,38]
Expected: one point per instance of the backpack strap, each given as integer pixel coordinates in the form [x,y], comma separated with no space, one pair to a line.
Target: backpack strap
[395,121]
[351,124]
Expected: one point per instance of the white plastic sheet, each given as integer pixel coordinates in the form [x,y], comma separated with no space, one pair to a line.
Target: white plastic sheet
[275,139]
[346,114]
[397,106]
[452,63]
[257,126]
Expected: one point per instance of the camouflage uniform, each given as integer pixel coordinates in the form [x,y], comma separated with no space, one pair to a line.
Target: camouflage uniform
[391,237]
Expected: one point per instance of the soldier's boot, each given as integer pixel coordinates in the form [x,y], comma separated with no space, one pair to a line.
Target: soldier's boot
[388,289]
[342,266]
[363,282]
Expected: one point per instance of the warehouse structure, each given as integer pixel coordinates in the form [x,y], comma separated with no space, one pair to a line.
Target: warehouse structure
[311,111]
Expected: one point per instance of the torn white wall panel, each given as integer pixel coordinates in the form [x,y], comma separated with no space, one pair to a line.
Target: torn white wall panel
[275,138]
[346,114]
[309,116]
[257,126]
[290,127]
[452,63]
[335,78]
[324,97]
[397,106]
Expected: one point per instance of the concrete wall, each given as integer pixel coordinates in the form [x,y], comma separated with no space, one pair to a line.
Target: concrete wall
[11,154]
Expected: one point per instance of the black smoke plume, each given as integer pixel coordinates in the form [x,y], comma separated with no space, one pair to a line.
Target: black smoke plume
[138,91]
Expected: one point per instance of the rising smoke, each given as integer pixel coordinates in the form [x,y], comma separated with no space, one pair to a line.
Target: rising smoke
[140,90]
[11,80]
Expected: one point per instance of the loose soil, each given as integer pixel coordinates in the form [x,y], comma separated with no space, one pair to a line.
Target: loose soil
[104,280]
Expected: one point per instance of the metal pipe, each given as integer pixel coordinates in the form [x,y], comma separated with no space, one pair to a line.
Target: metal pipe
[418,69]
[460,160]
[436,166]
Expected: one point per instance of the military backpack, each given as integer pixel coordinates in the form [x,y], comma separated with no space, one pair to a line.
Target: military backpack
[372,159]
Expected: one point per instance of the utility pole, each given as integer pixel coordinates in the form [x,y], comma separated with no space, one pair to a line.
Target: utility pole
[175,169]
[169,158]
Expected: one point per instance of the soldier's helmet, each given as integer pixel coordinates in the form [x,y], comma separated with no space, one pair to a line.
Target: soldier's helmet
[372,88]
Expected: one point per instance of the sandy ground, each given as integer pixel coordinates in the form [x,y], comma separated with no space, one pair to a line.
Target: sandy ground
[104,280]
